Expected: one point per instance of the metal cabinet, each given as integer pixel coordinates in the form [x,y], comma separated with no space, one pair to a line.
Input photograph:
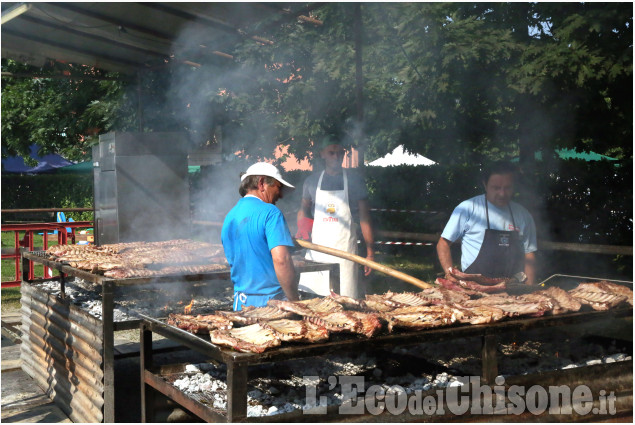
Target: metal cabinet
[141,187]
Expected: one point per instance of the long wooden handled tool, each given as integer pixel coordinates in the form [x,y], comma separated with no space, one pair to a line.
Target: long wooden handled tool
[365,262]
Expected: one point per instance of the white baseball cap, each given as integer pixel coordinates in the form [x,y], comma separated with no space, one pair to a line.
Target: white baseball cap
[265,169]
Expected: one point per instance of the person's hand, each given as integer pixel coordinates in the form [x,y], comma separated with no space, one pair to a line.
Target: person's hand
[305,227]
[450,277]
[370,256]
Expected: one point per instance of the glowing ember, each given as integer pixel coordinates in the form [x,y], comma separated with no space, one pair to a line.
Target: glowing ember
[188,308]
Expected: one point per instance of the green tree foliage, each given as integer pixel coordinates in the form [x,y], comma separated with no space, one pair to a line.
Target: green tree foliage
[461,83]
[578,72]
[53,113]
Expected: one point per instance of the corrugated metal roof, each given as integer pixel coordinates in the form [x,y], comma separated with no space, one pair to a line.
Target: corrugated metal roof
[128,37]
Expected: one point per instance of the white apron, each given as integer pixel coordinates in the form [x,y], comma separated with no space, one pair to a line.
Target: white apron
[332,227]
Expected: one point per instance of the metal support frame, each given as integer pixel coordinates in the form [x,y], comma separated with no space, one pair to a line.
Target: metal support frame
[108,287]
[107,307]
[237,363]
[145,360]
[236,392]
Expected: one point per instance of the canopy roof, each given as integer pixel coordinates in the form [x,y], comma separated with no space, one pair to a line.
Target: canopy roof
[129,37]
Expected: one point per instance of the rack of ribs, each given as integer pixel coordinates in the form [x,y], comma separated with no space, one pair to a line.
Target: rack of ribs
[199,324]
[602,295]
[253,338]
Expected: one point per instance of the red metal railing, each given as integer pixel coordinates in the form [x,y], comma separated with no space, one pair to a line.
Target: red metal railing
[28,241]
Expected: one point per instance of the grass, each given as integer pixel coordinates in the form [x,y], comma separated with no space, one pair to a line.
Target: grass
[10,299]
[415,261]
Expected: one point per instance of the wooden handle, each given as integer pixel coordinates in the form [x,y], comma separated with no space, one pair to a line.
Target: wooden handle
[365,262]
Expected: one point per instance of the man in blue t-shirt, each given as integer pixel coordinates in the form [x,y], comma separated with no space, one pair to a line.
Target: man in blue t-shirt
[498,236]
[256,240]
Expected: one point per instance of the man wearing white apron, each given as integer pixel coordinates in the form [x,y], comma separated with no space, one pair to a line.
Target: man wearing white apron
[333,206]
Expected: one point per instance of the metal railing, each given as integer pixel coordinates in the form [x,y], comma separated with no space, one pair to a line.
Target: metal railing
[30,230]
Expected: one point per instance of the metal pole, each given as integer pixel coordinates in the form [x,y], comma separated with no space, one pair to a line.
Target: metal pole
[145,357]
[334,278]
[140,102]
[359,83]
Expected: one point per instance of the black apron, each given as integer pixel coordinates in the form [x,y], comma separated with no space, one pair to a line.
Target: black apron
[501,254]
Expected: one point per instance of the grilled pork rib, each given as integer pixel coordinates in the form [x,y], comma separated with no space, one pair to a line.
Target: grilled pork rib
[511,306]
[491,288]
[120,272]
[348,302]
[564,301]
[600,296]
[297,330]
[290,306]
[367,324]
[250,315]
[308,307]
[420,317]
[479,314]
[478,278]
[430,308]
[405,299]
[253,338]
[391,300]
[199,324]
[454,286]
[132,259]
[377,303]
[616,289]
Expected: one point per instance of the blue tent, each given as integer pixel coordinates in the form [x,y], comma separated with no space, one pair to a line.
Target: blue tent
[46,163]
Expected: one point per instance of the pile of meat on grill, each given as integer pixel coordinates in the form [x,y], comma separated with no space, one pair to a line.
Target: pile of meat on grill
[258,329]
[143,259]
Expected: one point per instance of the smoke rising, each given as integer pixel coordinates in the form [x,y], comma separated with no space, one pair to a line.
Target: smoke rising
[199,97]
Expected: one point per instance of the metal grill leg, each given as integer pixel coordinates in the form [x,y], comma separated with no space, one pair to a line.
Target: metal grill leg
[145,358]
[236,392]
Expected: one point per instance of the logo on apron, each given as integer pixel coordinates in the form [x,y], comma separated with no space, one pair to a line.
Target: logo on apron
[330,209]
[503,240]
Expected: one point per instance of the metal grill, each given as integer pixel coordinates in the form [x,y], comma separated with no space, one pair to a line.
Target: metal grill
[238,363]
[58,334]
